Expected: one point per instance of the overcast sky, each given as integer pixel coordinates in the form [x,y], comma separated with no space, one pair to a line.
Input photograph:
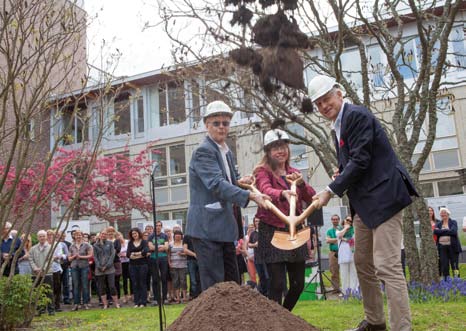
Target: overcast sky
[120,23]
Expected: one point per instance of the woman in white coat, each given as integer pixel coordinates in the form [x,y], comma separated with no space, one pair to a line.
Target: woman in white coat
[348,276]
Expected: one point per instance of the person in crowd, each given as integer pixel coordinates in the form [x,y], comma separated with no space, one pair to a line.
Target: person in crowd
[178,263]
[448,243]
[168,231]
[213,222]
[137,252]
[379,188]
[104,254]
[349,278]
[261,268]
[272,175]
[193,268]
[92,238]
[60,252]
[145,236]
[311,247]
[79,254]
[10,245]
[41,268]
[332,241]
[111,236]
[158,262]
[149,229]
[65,275]
[127,284]
[23,262]
[86,237]
[241,254]
[433,221]
[250,257]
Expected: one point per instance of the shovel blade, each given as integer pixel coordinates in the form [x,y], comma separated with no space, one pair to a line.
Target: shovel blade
[282,240]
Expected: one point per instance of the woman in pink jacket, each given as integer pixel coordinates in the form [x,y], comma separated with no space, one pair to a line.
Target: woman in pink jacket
[270,176]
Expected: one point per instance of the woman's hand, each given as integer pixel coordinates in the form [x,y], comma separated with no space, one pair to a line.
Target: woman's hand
[287,194]
[296,176]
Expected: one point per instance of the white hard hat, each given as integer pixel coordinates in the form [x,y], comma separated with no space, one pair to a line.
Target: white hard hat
[275,135]
[321,85]
[217,108]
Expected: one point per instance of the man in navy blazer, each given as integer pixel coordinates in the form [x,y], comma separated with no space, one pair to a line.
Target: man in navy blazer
[215,200]
[378,188]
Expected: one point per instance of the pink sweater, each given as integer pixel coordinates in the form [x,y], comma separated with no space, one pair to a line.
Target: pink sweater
[269,184]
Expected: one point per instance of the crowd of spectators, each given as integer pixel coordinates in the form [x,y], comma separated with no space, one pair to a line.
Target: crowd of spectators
[121,270]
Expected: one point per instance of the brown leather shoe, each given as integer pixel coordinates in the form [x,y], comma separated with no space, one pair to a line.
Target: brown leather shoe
[366,326]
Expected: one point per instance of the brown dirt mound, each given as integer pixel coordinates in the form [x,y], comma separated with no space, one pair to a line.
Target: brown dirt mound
[230,307]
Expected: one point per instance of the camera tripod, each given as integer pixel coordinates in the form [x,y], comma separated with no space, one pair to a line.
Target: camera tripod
[318,275]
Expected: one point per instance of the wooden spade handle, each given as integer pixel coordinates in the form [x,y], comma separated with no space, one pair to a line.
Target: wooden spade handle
[269,203]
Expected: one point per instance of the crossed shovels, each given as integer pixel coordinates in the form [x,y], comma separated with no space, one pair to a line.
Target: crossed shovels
[292,239]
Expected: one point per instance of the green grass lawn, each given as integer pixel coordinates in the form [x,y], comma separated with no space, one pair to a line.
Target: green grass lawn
[327,315]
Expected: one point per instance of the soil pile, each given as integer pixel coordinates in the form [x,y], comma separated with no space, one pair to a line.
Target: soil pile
[230,307]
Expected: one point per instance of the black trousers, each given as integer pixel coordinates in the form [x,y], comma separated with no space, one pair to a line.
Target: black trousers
[277,273]
[57,289]
[159,266]
[126,278]
[106,280]
[217,262]
[447,258]
[138,274]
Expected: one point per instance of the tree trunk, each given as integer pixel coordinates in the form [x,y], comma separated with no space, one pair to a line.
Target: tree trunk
[428,251]
[423,260]
[409,238]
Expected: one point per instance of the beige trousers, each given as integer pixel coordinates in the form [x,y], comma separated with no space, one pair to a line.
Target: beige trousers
[378,259]
[334,270]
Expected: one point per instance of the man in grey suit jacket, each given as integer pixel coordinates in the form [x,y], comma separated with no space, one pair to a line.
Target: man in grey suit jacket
[378,188]
[212,222]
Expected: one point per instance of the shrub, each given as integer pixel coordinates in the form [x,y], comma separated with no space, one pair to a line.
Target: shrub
[18,300]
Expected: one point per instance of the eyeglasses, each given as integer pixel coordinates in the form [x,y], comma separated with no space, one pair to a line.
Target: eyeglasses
[225,124]
[335,219]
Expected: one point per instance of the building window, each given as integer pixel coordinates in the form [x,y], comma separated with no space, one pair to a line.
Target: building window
[180,215]
[446,159]
[444,153]
[449,187]
[172,108]
[74,125]
[351,67]
[122,114]
[217,90]
[427,189]
[195,101]
[377,67]
[458,53]
[139,116]
[406,58]
[170,173]
[162,216]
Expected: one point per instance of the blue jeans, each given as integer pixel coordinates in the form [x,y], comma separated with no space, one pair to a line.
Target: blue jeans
[80,282]
[194,278]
